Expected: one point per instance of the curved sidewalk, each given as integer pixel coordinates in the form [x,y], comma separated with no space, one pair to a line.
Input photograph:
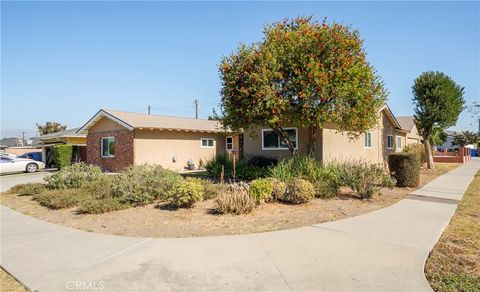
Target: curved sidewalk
[384,250]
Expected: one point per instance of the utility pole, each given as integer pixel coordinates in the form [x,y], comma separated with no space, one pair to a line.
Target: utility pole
[23,139]
[148,109]
[197,107]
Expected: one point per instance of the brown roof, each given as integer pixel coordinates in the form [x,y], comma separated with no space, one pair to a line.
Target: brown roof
[406,123]
[137,120]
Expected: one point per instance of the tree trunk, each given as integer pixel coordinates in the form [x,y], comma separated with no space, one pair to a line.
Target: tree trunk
[428,153]
[313,140]
[283,135]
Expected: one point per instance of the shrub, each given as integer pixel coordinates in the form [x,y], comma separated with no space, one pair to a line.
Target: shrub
[73,176]
[298,166]
[366,179]
[418,149]
[405,168]
[262,161]
[299,191]
[186,193]
[243,169]
[100,188]
[261,190]
[238,187]
[62,155]
[28,189]
[142,184]
[99,206]
[278,188]
[60,199]
[210,190]
[327,181]
[238,202]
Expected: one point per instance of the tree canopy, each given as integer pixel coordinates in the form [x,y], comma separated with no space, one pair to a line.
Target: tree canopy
[438,102]
[305,74]
[466,138]
[50,127]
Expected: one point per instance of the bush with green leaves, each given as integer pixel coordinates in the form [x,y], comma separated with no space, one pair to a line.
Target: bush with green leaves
[101,187]
[261,190]
[366,179]
[100,205]
[417,149]
[186,192]
[278,188]
[210,190]
[62,155]
[60,199]
[243,170]
[327,181]
[140,185]
[298,191]
[405,168]
[235,201]
[28,189]
[73,176]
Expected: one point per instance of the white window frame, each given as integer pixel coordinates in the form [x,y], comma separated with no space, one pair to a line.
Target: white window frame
[207,139]
[393,142]
[399,142]
[226,143]
[365,139]
[101,147]
[280,148]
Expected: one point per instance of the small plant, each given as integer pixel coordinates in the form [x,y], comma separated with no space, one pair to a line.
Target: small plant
[238,202]
[261,190]
[60,199]
[99,206]
[186,193]
[366,179]
[299,191]
[28,189]
[305,167]
[210,190]
[73,176]
[62,155]
[243,170]
[405,168]
[278,188]
[100,188]
[327,181]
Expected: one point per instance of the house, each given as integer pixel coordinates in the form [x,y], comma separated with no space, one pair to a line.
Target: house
[408,123]
[69,137]
[116,140]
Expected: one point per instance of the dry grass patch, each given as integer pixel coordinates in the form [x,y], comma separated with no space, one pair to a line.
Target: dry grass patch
[9,284]
[454,263]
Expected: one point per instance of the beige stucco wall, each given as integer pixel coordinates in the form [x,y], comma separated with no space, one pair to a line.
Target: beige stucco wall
[105,125]
[159,147]
[413,137]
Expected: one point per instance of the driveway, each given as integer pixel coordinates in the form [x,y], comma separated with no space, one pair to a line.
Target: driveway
[383,250]
[9,180]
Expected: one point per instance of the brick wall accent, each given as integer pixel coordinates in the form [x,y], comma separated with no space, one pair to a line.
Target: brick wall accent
[123,150]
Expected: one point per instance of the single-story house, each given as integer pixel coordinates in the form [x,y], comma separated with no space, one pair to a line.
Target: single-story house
[116,140]
[70,137]
[408,123]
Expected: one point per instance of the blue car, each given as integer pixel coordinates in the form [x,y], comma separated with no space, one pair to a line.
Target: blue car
[32,155]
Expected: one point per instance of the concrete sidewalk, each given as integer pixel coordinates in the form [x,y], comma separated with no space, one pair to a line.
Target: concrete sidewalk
[383,250]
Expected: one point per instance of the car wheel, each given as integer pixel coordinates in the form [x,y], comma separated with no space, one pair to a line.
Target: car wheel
[31,167]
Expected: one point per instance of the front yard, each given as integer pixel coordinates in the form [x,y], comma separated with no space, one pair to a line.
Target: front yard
[159,219]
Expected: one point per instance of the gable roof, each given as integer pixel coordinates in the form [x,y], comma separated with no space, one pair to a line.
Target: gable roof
[132,121]
[406,122]
[391,116]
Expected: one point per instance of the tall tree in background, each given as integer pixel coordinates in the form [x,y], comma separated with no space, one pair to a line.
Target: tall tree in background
[466,138]
[50,127]
[438,102]
[304,74]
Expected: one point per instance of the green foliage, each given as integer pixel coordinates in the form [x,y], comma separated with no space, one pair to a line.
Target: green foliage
[438,136]
[99,206]
[417,149]
[73,176]
[365,179]
[27,189]
[60,199]
[50,127]
[327,181]
[303,73]
[62,155]
[405,169]
[185,193]
[298,191]
[140,185]
[279,188]
[244,170]
[235,201]
[210,190]
[261,190]
[100,188]
[466,138]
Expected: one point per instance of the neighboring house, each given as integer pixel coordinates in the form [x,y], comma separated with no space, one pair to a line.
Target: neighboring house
[448,145]
[11,142]
[70,137]
[116,140]
[408,123]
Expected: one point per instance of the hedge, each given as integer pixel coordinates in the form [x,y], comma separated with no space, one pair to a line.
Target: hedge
[405,168]
[62,155]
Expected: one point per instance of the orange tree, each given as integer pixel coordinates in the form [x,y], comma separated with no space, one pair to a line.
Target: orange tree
[304,74]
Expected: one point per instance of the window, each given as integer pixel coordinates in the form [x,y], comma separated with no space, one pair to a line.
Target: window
[271,141]
[108,147]
[389,141]
[5,160]
[368,140]
[207,142]
[399,142]
[229,143]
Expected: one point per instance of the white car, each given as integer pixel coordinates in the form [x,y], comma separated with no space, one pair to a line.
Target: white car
[9,164]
